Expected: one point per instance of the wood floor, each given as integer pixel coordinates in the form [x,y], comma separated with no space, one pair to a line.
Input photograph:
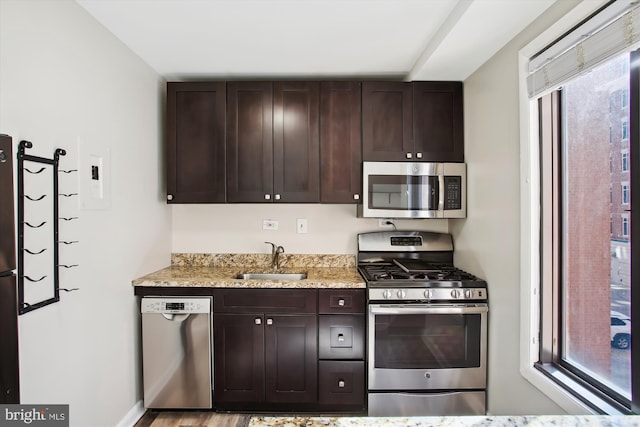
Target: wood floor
[192,419]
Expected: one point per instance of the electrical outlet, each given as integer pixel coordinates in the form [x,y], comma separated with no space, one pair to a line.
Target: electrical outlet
[301,226]
[269,224]
[382,223]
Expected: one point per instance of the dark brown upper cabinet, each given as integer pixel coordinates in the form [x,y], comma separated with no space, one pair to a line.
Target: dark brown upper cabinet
[417,121]
[340,142]
[250,141]
[196,142]
[438,128]
[273,150]
[296,142]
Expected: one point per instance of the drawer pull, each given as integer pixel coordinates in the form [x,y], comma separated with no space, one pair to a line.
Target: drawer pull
[340,338]
[340,383]
[341,302]
[269,321]
[258,321]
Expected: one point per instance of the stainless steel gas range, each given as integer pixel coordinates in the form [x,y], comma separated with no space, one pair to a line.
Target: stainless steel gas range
[427,327]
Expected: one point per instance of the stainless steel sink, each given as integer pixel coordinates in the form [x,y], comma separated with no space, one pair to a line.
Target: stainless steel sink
[272,276]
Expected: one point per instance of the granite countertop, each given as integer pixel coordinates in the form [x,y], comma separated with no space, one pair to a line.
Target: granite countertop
[220,271]
[462,421]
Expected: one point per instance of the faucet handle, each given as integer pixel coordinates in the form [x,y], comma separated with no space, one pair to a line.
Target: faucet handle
[280,249]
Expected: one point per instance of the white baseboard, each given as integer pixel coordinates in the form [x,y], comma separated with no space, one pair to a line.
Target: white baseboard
[132,417]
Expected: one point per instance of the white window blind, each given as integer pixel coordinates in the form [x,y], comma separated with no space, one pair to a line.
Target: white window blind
[613,31]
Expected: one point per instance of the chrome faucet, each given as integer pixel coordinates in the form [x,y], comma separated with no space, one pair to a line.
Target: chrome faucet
[275,254]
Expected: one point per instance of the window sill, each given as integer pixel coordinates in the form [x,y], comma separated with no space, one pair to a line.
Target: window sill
[567,392]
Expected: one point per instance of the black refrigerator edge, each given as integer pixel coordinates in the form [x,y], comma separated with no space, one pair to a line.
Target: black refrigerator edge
[9,368]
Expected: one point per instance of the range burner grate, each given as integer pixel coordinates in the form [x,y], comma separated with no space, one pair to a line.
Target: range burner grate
[436,273]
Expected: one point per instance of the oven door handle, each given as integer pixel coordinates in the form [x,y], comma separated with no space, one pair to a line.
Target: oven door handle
[428,309]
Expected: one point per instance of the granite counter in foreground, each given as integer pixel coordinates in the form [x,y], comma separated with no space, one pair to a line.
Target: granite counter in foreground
[465,421]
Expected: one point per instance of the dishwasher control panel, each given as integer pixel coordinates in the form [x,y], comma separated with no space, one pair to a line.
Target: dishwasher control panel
[175,305]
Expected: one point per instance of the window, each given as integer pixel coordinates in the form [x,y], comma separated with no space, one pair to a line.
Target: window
[576,274]
[610,135]
[611,225]
[578,262]
[625,161]
[624,97]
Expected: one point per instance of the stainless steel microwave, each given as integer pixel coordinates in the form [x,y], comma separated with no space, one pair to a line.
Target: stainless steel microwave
[413,190]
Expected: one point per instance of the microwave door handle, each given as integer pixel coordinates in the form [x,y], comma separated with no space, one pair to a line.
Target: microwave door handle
[440,194]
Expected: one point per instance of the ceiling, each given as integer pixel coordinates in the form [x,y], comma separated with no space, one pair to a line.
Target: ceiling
[390,39]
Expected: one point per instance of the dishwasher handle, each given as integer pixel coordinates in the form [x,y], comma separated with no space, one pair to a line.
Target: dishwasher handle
[172,317]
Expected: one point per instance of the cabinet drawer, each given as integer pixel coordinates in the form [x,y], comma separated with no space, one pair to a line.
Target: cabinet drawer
[337,301]
[282,301]
[341,383]
[341,337]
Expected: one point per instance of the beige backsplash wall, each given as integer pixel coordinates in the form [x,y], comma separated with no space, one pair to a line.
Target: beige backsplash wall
[237,228]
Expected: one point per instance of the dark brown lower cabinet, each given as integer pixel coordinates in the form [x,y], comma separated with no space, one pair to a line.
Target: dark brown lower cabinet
[238,358]
[341,384]
[265,361]
[291,355]
[341,350]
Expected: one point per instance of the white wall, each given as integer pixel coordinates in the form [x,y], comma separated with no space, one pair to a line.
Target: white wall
[488,241]
[64,78]
[237,228]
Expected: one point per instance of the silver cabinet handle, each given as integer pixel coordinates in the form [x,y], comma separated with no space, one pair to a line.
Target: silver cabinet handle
[341,383]
[269,321]
[267,196]
[169,196]
[341,302]
[409,155]
[258,321]
[419,155]
[356,197]
[277,197]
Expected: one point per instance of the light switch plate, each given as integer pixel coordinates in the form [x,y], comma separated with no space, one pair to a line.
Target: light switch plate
[301,226]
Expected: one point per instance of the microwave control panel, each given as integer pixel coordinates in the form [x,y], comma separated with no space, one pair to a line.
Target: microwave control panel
[452,192]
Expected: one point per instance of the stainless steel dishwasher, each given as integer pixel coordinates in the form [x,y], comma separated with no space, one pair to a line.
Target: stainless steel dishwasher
[176,352]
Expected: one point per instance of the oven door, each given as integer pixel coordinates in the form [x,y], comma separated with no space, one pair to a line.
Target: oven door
[427,346]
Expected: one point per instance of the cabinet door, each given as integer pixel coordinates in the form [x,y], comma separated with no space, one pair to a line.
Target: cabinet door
[9,359]
[342,385]
[296,142]
[438,128]
[387,121]
[340,142]
[291,359]
[196,142]
[239,358]
[250,141]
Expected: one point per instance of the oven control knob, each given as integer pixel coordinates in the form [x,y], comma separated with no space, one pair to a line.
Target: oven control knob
[427,294]
[401,294]
[387,294]
[467,293]
[455,293]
